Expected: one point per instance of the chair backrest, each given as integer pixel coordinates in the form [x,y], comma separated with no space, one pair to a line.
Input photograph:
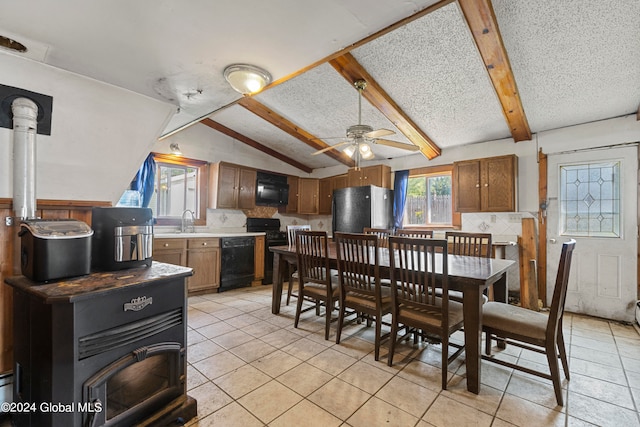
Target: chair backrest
[313,262]
[382,233]
[560,291]
[470,244]
[291,232]
[358,264]
[419,266]
[408,232]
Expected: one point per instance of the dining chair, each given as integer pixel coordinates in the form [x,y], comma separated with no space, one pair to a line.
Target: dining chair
[360,286]
[419,266]
[291,240]
[469,244]
[382,233]
[315,281]
[408,232]
[533,330]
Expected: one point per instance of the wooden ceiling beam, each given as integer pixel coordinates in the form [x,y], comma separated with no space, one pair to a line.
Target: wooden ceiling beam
[280,122]
[352,71]
[484,28]
[255,144]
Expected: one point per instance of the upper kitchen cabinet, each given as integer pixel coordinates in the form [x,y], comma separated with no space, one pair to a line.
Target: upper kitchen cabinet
[379,175]
[232,186]
[326,187]
[486,185]
[292,205]
[308,190]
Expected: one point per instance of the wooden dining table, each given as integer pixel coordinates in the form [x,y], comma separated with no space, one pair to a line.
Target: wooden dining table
[470,275]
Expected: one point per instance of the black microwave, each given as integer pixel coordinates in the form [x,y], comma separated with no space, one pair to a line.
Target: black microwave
[271,190]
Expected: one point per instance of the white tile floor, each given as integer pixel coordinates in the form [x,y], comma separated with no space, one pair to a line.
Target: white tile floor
[248,367]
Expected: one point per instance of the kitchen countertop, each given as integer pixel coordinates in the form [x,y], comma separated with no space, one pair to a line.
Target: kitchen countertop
[202,234]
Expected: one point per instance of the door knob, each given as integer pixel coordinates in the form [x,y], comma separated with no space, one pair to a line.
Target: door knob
[552,240]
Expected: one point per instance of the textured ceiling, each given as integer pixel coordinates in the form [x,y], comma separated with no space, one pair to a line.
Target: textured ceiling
[574,61]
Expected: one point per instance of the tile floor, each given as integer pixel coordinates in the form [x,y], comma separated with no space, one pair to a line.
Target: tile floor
[248,367]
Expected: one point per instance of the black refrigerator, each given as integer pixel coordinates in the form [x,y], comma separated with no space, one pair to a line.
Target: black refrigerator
[355,208]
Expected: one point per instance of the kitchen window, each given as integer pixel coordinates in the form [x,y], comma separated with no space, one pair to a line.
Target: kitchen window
[180,184]
[429,200]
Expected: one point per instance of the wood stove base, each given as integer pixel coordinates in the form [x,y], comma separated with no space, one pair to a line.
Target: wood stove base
[177,413]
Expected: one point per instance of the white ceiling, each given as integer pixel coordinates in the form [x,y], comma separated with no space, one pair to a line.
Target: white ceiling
[574,61]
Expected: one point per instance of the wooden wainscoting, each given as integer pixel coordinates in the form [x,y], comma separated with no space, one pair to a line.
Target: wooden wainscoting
[10,260]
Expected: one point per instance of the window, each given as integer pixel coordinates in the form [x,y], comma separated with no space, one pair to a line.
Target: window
[590,200]
[429,198]
[180,185]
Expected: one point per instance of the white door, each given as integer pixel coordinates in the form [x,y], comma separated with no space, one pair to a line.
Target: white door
[592,198]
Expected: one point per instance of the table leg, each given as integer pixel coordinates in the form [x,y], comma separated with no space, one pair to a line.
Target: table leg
[279,268]
[472,306]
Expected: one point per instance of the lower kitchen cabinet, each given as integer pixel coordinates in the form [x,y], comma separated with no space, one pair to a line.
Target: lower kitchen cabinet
[203,255]
[259,259]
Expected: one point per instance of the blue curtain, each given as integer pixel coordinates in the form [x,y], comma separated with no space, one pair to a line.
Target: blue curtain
[401,180]
[145,180]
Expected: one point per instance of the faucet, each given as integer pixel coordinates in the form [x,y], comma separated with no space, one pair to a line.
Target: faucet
[188,224]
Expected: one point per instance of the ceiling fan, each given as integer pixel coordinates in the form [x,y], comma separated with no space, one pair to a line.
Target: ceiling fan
[360,136]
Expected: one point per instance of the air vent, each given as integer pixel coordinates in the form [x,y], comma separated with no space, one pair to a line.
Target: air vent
[103,341]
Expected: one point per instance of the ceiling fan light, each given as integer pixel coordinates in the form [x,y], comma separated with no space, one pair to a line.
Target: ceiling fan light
[247,79]
[365,151]
[350,150]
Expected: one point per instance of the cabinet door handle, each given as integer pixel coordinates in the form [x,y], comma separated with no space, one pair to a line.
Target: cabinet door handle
[486,185]
[166,245]
[478,185]
[204,244]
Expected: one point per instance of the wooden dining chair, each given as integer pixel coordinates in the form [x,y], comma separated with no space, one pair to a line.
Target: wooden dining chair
[360,286]
[419,266]
[382,233]
[533,330]
[408,232]
[291,240]
[315,280]
[469,244]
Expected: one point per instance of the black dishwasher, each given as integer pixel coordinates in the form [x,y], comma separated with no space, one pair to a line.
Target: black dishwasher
[236,262]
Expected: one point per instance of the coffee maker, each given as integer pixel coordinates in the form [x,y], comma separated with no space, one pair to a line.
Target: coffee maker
[122,238]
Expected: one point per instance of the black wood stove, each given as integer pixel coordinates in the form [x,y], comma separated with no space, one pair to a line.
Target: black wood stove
[106,349]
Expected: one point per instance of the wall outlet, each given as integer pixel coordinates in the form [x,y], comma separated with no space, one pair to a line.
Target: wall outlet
[515,218]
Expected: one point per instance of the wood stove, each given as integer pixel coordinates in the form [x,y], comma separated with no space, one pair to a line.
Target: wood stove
[104,349]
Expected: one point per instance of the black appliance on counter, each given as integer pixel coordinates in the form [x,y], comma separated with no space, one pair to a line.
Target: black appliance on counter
[273,237]
[123,238]
[271,189]
[54,249]
[355,208]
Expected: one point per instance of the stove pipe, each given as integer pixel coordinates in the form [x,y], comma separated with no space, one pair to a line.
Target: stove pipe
[25,126]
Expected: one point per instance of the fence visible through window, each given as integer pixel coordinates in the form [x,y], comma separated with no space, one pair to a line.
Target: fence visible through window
[432,209]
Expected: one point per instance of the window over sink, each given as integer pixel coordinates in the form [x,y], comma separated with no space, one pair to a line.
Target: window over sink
[429,201]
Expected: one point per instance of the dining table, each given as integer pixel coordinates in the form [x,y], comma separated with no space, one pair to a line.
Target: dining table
[470,275]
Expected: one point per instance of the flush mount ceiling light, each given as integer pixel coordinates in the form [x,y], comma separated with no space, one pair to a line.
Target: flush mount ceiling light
[175,149]
[247,79]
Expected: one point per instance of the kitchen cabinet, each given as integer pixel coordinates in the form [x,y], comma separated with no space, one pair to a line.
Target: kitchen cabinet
[171,251]
[203,255]
[292,204]
[486,185]
[232,186]
[259,258]
[308,190]
[379,175]
[326,187]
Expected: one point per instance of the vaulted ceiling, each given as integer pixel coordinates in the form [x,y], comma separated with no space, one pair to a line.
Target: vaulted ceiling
[439,73]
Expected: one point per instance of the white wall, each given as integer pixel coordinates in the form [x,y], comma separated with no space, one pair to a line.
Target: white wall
[100,134]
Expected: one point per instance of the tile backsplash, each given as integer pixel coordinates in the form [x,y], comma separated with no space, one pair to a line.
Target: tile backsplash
[505,226]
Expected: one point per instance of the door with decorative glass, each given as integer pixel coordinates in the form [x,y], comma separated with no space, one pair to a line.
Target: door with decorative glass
[592,198]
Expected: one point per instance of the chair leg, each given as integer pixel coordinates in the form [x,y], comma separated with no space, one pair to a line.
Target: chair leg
[392,341]
[563,353]
[340,320]
[552,359]
[328,309]
[445,360]
[378,333]
[290,287]
[487,343]
[298,309]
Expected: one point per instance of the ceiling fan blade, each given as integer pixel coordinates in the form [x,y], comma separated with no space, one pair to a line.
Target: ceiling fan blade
[378,133]
[339,144]
[396,144]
